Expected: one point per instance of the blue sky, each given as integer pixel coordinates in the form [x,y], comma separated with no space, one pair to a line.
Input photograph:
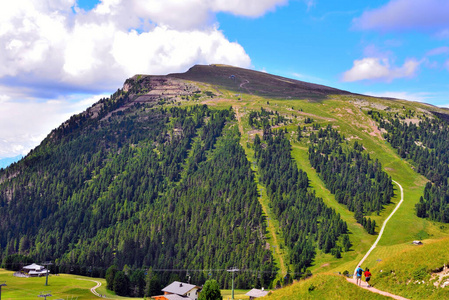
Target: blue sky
[321,43]
[59,57]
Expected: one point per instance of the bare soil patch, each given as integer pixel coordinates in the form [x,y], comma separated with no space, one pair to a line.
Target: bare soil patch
[441,277]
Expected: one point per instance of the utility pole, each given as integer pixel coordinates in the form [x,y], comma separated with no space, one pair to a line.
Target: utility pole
[48,263]
[233,270]
[2,284]
[45,295]
[187,275]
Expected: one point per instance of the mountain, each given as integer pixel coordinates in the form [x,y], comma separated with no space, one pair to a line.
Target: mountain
[187,175]
[257,83]
[4,162]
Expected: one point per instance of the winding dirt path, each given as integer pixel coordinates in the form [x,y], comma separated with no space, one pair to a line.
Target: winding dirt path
[383,226]
[374,290]
[363,285]
[94,289]
[242,86]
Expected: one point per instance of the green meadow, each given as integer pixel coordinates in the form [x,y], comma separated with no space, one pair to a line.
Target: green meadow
[61,286]
[411,270]
[238,294]
[65,286]
[323,286]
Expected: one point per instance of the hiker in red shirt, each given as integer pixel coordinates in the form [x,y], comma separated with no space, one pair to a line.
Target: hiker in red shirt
[367,276]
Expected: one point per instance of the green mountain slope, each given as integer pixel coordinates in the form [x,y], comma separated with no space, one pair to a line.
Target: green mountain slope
[187,175]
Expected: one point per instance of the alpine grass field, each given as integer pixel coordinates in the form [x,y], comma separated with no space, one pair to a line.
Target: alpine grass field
[247,112]
[61,287]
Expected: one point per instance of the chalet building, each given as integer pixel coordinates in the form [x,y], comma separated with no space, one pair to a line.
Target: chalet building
[34,270]
[179,291]
[255,293]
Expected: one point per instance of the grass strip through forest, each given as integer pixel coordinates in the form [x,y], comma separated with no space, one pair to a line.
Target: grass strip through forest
[271,219]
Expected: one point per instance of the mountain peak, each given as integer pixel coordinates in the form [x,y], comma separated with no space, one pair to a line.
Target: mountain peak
[256,82]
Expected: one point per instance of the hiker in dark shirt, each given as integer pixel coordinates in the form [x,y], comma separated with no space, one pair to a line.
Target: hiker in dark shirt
[367,277]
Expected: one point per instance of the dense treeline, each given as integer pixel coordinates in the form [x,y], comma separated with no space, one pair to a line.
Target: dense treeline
[426,144]
[351,175]
[306,222]
[143,187]
[16,262]
[435,203]
[265,118]
[211,208]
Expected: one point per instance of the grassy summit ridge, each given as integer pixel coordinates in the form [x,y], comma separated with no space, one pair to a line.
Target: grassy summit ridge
[257,83]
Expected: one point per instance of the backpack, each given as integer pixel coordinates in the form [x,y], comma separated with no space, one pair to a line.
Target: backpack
[359,271]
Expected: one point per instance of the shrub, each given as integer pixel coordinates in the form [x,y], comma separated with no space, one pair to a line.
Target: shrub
[121,284]
[420,273]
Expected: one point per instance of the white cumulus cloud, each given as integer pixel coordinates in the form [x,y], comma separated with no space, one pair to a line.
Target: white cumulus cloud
[58,43]
[51,50]
[399,15]
[24,124]
[373,68]
[173,51]
[419,97]
[249,8]
[438,51]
